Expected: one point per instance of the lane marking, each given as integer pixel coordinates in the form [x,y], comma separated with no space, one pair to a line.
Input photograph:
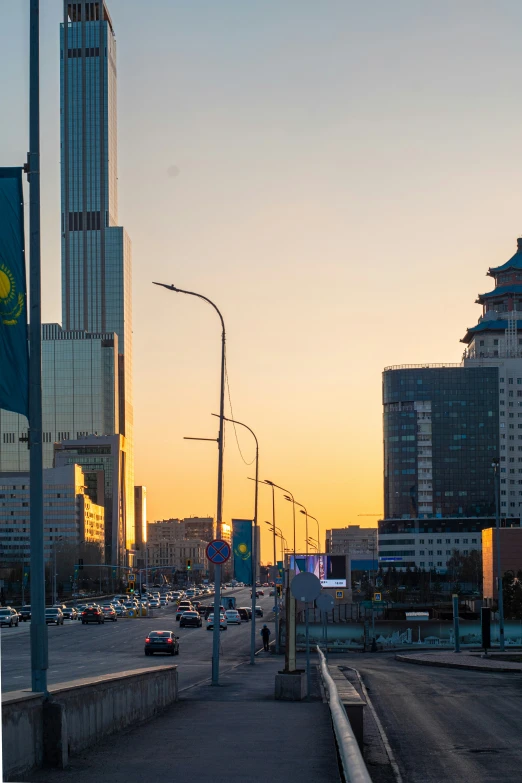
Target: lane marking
[384,738]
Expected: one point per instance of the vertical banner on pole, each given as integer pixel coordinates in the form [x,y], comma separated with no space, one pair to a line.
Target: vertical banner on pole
[242,548]
[14,353]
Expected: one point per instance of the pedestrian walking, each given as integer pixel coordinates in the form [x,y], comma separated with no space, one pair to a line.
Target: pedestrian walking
[265,635]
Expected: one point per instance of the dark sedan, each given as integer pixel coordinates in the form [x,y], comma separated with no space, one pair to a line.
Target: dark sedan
[188,619]
[161,641]
[25,613]
[92,614]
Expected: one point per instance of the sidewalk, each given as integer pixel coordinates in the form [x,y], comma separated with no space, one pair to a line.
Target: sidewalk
[226,734]
[462,660]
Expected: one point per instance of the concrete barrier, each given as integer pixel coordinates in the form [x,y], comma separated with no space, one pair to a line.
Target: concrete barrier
[78,714]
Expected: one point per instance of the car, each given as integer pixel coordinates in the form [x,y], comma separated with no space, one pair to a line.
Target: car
[92,614]
[260,592]
[70,613]
[154,604]
[121,611]
[233,617]
[25,613]
[161,641]
[53,614]
[243,613]
[109,613]
[79,610]
[58,605]
[9,616]
[222,622]
[188,619]
[183,607]
[272,592]
[248,610]
[259,611]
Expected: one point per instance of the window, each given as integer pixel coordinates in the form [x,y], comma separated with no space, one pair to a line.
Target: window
[473,540]
[448,541]
[421,540]
[457,540]
[9,437]
[464,540]
[421,552]
[439,551]
[422,563]
[495,342]
[439,540]
[510,380]
[439,563]
[430,541]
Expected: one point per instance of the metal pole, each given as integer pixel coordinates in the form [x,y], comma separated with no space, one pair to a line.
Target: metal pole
[39,647]
[307,654]
[306,518]
[455,601]
[219,513]
[275,581]
[217,625]
[254,541]
[496,468]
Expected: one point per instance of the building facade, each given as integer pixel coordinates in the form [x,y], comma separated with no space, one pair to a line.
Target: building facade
[79,395]
[510,558]
[107,456]
[358,543]
[70,516]
[140,524]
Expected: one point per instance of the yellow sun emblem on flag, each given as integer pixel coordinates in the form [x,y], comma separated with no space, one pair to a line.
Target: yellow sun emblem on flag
[243,551]
[11,302]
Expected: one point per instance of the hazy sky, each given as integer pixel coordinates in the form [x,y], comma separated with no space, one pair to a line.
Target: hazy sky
[336,176]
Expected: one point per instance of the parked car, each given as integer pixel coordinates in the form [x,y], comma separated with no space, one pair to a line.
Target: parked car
[53,614]
[161,641]
[9,616]
[243,613]
[92,614]
[233,617]
[109,612]
[25,613]
[188,619]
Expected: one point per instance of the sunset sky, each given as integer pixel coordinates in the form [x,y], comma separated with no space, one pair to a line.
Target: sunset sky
[337,176]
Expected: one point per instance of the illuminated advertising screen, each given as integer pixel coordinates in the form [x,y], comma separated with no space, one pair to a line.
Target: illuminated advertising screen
[330,569]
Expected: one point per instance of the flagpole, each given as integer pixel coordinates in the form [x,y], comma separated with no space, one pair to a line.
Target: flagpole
[39,651]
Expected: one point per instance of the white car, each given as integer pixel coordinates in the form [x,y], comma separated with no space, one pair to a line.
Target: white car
[222,622]
[233,617]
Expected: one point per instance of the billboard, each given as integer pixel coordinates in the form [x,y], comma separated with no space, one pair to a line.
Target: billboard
[330,569]
[242,549]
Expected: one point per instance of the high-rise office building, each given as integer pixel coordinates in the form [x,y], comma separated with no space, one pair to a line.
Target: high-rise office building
[96,252]
[105,456]
[87,362]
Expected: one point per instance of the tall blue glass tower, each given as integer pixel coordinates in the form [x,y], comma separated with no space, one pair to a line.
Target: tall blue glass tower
[96,252]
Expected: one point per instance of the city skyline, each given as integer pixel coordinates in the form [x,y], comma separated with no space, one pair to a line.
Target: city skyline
[344,189]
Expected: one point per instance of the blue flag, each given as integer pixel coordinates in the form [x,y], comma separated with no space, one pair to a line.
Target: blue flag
[242,548]
[14,353]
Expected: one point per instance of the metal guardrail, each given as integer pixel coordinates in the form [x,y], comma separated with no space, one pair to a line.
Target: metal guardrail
[352,761]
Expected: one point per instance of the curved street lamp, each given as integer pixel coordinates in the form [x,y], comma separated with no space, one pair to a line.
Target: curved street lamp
[309,516]
[220,442]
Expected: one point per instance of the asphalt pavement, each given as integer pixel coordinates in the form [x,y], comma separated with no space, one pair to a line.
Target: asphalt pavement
[77,650]
[445,724]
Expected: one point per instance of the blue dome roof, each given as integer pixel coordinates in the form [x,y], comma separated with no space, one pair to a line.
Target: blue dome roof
[499,325]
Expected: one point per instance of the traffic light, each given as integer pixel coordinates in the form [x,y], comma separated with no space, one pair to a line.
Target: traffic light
[80,563]
[189,565]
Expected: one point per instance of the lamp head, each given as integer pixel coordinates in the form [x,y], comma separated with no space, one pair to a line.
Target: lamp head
[165,285]
[287,497]
[266,481]
[301,511]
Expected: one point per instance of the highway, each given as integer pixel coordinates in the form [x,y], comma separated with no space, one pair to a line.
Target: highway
[86,651]
[446,724]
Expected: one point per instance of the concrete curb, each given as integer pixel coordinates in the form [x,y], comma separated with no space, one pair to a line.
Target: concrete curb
[447,665]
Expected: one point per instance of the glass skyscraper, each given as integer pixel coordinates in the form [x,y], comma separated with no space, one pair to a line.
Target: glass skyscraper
[96,252]
[87,364]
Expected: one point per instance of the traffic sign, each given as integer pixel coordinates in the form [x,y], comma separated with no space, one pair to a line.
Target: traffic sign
[325,602]
[339,594]
[218,552]
[377,596]
[305,587]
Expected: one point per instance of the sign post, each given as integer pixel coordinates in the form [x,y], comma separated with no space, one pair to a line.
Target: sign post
[306,587]
[218,552]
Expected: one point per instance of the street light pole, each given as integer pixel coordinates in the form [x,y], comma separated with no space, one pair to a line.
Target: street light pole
[271,483]
[219,514]
[496,469]
[254,543]
[309,516]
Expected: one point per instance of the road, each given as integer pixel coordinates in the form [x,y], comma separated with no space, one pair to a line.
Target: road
[77,651]
[446,724]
